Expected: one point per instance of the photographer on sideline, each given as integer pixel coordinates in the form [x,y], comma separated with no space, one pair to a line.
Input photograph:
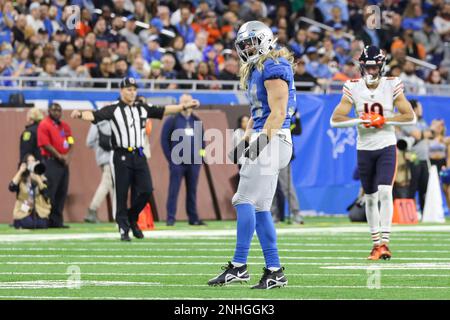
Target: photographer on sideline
[32,206]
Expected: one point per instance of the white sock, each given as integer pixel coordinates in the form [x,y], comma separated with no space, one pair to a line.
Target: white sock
[237,264]
[386,211]
[373,216]
[274,269]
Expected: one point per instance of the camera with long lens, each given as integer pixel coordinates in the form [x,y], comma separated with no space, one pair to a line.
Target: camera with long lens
[406,143]
[36,168]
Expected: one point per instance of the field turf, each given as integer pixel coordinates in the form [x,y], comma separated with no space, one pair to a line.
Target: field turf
[324,259]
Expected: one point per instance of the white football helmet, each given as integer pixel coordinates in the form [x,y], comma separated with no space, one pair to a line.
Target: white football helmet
[254,39]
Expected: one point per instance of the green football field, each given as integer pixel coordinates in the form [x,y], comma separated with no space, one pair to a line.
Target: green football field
[324,259]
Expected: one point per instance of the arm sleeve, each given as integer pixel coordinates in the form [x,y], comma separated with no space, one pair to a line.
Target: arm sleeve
[43,136]
[277,70]
[154,111]
[105,113]
[165,137]
[397,88]
[92,136]
[347,92]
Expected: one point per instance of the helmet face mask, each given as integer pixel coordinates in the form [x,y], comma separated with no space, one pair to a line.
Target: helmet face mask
[254,39]
[372,62]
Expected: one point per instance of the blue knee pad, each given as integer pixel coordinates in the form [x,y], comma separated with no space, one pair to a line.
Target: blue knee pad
[265,229]
[245,230]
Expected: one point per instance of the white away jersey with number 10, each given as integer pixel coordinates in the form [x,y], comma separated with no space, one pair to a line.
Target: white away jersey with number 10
[379,100]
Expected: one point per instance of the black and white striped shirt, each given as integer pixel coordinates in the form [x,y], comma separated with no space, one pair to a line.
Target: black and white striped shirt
[128,122]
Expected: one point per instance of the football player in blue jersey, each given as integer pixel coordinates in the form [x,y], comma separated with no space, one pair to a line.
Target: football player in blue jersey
[266,73]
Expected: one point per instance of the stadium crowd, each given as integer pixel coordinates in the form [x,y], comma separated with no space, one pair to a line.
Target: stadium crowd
[151,39]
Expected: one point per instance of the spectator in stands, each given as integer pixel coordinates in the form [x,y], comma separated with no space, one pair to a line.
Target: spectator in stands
[88,57]
[104,70]
[252,10]
[229,72]
[151,51]
[214,60]
[34,17]
[170,31]
[326,7]
[336,18]
[21,63]
[434,77]
[309,10]
[19,29]
[119,8]
[184,27]
[168,72]
[141,14]
[28,138]
[313,36]
[139,69]
[123,50]
[349,71]
[101,32]
[301,75]
[298,45]
[413,17]
[194,51]
[32,207]
[356,14]
[49,70]
[121,68]
[188,72]
[314,66]
[204,73]
[21,6]
[177,48]
[442,22]
[430,40]
[55,140]
[185,164]
[413,49]
[129,32]
[412,82]
[6,68]
[74,69]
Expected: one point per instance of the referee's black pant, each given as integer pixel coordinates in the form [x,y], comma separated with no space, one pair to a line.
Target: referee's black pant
[130,169]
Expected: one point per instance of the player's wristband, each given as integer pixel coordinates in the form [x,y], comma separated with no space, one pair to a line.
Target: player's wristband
[347,123]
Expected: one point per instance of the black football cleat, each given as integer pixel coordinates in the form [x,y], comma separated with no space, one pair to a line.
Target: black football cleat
[125,237]
[272,279]
[137,233]
[230,275]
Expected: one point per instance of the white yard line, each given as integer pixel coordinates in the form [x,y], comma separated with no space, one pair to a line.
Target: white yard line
[204,249]
[442,265]
[59,284]
[196,257]
[404,266]
[210,233]
[156,274]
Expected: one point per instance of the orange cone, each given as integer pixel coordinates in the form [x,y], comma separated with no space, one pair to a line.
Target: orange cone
[145,221]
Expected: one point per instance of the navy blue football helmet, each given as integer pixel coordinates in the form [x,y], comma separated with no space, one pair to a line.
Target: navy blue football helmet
[372,56]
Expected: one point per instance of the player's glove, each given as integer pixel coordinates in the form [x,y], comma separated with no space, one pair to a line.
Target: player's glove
[377,120]
[235,154]
[255,148]
[366,117]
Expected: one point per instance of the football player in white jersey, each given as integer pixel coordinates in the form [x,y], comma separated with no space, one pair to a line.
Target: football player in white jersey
[374,98]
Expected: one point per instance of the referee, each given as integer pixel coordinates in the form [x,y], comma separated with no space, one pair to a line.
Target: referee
[128,162]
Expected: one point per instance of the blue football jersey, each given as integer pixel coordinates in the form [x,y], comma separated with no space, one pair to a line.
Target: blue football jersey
[257,93]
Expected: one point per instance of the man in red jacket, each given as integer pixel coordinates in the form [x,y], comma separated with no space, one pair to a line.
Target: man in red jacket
[55,141]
